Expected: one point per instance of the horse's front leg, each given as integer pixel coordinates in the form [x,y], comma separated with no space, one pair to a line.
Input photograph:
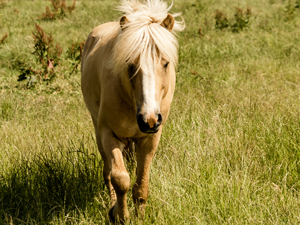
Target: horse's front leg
[106,168]
[145,150]
[119,175]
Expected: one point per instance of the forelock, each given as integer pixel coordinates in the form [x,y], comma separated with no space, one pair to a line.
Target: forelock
[143,37]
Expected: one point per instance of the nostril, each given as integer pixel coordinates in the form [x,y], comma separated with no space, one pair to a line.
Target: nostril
[143,125]
[150,125]
[140,117]
[159,119]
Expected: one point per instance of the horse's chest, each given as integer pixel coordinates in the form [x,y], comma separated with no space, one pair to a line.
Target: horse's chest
[119,117]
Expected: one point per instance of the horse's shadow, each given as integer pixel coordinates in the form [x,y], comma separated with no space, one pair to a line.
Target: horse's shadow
[57,183]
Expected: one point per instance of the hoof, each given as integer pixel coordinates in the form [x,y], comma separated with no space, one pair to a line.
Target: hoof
[140,209]
[114,217]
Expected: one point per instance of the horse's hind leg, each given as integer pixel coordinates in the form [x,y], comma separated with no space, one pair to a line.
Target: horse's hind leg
[129,151]
[129,156]
[106,168]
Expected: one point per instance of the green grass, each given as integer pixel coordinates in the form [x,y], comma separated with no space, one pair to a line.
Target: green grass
[229,153]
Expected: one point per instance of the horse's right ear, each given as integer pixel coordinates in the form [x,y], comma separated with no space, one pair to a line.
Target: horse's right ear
[123,21]
[168,22]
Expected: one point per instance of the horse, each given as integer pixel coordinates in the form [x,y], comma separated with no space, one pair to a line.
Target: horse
[128,81]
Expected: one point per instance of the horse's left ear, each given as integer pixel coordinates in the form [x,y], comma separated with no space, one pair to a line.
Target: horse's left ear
[168,22]
[123,21]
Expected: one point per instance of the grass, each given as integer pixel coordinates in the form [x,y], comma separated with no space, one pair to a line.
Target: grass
[229,153]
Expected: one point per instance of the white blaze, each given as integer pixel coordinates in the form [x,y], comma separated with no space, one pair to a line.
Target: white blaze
[149,93]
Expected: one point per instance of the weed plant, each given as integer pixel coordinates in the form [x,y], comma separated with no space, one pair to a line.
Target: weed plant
[47,55]
[60,10]
[241,20]
[46,52]
[74,53]
[3,38]
[221,21]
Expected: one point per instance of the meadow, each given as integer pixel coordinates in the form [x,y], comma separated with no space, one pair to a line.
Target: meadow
[229,153]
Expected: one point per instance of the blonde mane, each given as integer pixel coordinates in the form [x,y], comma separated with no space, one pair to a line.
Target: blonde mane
[143,39]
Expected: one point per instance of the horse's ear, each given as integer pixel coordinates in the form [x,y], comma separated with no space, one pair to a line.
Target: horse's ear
[168,22]
[123,21]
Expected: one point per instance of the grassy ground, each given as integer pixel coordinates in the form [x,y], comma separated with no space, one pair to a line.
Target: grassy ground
[229,153]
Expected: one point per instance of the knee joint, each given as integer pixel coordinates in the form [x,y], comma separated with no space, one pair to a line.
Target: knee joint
[120,181]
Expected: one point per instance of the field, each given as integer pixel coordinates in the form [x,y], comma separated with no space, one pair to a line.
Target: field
[229,153]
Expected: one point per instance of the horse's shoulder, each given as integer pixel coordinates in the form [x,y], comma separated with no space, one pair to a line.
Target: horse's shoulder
[100,31]
[104,29]
[97,35]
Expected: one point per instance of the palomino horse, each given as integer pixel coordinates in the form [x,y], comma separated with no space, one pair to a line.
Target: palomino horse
[128,81]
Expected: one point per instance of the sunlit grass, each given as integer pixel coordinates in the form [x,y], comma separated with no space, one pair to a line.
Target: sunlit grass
[229,153]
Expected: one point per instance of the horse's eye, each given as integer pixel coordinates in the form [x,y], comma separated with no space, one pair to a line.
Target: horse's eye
[166,65]
[131,68]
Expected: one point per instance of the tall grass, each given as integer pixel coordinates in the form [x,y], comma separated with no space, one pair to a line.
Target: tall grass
[229,153]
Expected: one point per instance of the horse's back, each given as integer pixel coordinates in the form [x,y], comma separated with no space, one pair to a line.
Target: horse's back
[95,54]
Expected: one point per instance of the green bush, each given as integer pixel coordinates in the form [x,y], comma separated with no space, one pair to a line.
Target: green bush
[47,55]
[241,20]
[60,10]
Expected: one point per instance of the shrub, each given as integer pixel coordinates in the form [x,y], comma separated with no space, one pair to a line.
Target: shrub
[290,9]
[46,51]
[60,10]
[221,20]
[47,56]
[27,73]
[241,20]
[75,53]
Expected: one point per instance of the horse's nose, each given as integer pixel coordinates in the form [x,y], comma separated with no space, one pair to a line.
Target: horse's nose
[151,124]
[151,121]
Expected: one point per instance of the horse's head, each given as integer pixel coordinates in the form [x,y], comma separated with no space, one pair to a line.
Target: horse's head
[149,76]
[149,89]
[145,55]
